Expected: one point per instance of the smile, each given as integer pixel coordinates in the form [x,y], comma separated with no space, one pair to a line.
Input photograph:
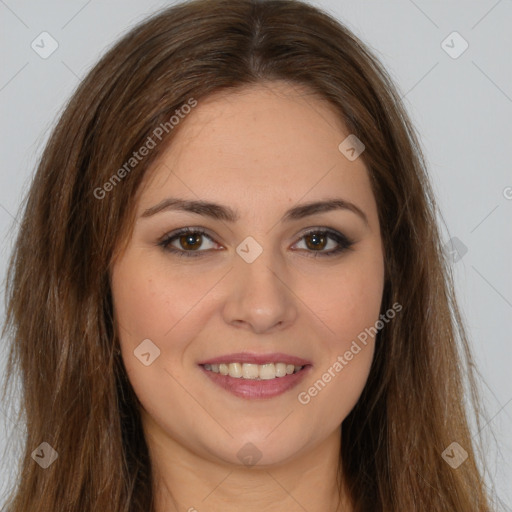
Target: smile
[254,381]
[250,371]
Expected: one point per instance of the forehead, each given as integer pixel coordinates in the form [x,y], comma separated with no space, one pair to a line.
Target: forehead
[265,144]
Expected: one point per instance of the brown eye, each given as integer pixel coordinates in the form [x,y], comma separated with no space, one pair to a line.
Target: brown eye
[324,242]
[316,241]
[191,241]
[188,242]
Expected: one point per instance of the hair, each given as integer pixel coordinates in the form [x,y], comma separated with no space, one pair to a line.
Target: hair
[75,392]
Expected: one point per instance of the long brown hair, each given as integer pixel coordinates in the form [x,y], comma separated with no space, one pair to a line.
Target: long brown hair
[76,395]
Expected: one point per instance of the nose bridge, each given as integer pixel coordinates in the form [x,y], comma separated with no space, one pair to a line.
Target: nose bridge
[262,274]
[258,296]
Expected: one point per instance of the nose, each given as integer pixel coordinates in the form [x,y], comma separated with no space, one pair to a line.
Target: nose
[259,298]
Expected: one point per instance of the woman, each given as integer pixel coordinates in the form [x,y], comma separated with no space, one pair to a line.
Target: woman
[228,290]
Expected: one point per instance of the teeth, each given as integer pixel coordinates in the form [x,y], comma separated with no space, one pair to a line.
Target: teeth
[235,370]
[281,369]
[251,371]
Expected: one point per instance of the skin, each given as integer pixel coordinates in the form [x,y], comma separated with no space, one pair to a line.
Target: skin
[260,150]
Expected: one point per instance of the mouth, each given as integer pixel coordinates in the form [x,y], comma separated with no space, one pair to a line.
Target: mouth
[256,376]
[250,371]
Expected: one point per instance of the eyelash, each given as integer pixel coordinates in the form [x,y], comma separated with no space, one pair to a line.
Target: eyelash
[344,242]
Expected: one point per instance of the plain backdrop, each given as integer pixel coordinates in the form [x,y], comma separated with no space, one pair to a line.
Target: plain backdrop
[460,100]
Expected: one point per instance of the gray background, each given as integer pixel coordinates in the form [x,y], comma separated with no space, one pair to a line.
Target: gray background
[461,107]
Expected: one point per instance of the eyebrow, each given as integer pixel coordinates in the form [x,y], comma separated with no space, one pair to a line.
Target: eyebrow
[225,213]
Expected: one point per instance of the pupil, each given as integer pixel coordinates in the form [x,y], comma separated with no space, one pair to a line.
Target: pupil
[315,241]
[190,241]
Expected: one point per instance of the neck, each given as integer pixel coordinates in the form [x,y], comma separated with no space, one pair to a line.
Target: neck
[186,481]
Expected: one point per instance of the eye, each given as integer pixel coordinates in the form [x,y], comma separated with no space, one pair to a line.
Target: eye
[317,240]
[187,242]
[190,242]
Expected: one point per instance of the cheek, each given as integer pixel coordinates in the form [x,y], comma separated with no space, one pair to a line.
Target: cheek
[348,302]
[337,385]
[349,299]
[153,301]
[150,300]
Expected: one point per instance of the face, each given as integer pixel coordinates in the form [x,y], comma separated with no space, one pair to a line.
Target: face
[260,277]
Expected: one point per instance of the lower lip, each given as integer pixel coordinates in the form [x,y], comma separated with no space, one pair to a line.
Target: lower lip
[257,389]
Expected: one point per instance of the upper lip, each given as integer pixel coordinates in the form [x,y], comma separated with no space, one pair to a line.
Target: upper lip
[254,358]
